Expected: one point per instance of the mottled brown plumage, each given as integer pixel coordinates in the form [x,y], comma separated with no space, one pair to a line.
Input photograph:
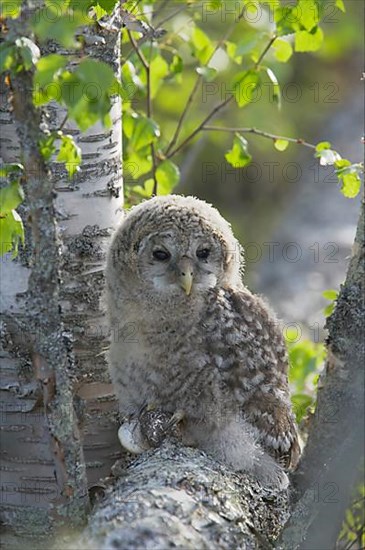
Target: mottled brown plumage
[190,339]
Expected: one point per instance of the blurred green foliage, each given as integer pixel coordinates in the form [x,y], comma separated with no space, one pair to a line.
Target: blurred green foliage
[202,61]
[306,359]
[182,64]
[352,534]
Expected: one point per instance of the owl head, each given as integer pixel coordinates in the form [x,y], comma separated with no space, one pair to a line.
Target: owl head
[173,248]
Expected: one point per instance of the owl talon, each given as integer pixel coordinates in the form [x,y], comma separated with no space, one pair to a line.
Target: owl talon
[176,418]
[146,407]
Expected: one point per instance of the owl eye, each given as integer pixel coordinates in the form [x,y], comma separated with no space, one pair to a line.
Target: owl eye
[203,253]
[161,255]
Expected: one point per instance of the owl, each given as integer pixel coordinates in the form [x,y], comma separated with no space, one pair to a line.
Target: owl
[188,338]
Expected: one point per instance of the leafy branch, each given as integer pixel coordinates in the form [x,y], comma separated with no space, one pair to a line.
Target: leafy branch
[281,139]
[147,68]
[198,82]
[214,111]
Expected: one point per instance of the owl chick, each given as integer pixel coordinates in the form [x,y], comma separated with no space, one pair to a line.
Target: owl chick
[190,339]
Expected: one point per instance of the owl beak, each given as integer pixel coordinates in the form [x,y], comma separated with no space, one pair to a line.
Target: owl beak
[186,272]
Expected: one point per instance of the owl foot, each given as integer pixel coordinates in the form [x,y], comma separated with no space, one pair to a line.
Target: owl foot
[270,474]
[156,425]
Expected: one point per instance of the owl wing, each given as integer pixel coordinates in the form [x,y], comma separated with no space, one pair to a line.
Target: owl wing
[257,372]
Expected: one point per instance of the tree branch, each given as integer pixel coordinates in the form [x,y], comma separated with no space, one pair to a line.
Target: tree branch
[257,132]
[179,497]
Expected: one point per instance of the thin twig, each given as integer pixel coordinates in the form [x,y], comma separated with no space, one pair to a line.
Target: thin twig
[63,122]
[199,128]
[168,17]
[265,50]
[138,51]
[257,132]
[197,83]
[160,8]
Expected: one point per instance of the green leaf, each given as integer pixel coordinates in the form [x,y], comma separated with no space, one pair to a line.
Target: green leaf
[137,164]
[340,5]
[99,12]
[47,147]
[11,231]
[301,402]
[245,85]
[308,41]
[131,81]
[349,176]
[158,70]
[145,190]
[70,154]
[231,48]
[276,93]
[95,72]
[328,310]
[9,169]
[47,67]
[322,146]
[305,358]
[238,156]
[140,131]
[87,91]
[245,46]
[202,45]
[45,81]
[281,144]
[10,9]
[10,197]
[176,66]
[236,50]
[283,50]
[351,184]
[107,5]
[307,11]
[167,176]
[60,23]
[330,294]
[286,19]
[208,73]
[8,58]
[80,4]
[28,52]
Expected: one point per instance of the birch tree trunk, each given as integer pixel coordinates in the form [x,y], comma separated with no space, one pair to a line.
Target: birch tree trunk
[43,402]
